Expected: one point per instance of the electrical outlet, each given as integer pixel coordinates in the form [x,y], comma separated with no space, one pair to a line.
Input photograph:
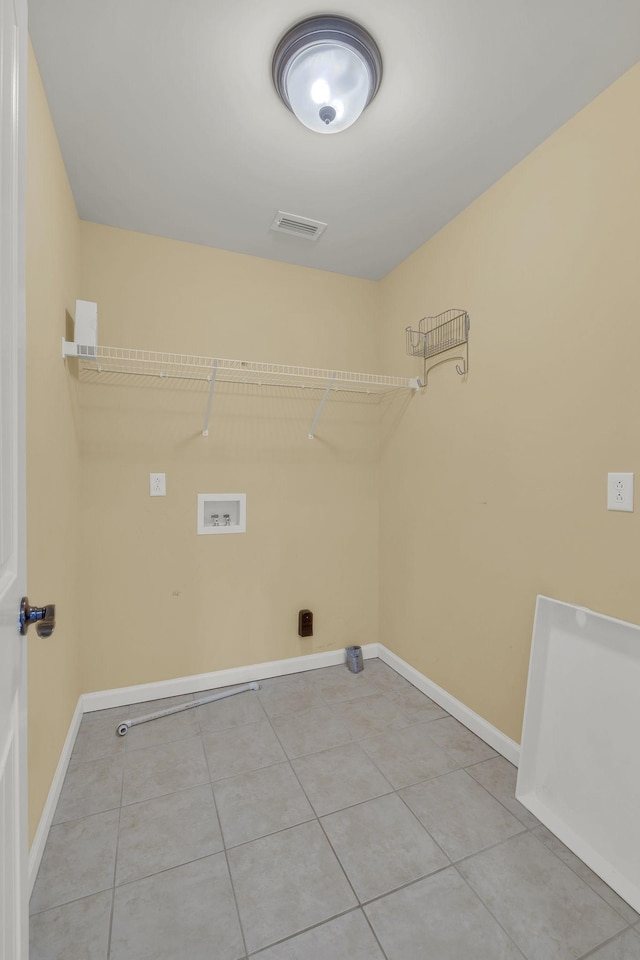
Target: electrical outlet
[620,492]
[157,485]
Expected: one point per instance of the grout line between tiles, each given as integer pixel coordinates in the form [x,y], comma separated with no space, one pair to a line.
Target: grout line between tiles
[66,903]
[103,756]
[168,793]
[321,825]
[115,864]
[492,846]
[440,776]
[330,844]
[159,873]
[350,806]
[582,880]
[161,743]
[379,769]
[363,903]
[415,817]
[407,726]
[405,886]
[488,908]
[478,763]
[356,743]
[85,816]
[374,934]
[313,926]
[242,773]
[605,943]
[226,855]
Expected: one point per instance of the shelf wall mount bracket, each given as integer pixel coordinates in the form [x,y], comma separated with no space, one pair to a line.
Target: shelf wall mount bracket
[460,370]
[212,387]
[314,424]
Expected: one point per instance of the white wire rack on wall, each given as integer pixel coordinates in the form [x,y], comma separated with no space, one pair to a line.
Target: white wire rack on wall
[438,335]
[214,370]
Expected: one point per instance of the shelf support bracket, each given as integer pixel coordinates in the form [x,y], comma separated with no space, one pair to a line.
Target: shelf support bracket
[460,370]
[212,386]
[314,424]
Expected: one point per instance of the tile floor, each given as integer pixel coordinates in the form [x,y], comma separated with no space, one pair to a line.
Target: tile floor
[330,816]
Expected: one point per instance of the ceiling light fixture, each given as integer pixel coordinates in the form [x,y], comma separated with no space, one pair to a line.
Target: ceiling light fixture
[326,70]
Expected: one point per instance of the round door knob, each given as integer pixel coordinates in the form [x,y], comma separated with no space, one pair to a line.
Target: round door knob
[43,617]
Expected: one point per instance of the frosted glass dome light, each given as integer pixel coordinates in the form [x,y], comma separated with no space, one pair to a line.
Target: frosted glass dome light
[326,70]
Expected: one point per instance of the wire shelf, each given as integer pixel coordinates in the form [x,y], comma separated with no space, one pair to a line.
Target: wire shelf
[181,366]
[95,361]
[437,335]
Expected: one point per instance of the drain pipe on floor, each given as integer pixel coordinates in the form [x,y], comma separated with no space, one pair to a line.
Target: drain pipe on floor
[123,728]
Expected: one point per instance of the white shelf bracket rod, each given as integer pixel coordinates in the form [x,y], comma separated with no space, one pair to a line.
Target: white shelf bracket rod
[207,413]
[312,428]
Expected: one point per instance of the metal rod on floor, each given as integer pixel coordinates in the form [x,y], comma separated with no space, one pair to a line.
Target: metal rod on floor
[123,728]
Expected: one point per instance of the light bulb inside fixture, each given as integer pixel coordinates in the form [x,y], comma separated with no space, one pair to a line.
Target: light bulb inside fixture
[320,92]
[327,78]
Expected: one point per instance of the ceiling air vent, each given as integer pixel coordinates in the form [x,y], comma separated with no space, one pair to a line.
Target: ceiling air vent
[298,226]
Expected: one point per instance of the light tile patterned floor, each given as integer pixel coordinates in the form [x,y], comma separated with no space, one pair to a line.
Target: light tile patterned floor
[330,816]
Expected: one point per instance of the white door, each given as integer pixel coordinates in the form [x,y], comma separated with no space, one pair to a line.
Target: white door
[13,746]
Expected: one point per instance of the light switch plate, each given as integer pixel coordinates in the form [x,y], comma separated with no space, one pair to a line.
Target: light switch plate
[620,492]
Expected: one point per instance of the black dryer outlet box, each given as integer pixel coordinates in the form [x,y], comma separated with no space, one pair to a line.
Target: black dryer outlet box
[305,623]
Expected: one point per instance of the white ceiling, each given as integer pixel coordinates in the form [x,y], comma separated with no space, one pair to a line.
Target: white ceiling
[169,123]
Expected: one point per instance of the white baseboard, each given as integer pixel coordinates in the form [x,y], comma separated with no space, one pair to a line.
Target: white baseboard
[120,697]
[507,747]
[104,699]
[48,812]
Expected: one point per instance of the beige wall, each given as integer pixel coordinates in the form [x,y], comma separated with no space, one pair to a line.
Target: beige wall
[498,484]
[52,262]
[162,601]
